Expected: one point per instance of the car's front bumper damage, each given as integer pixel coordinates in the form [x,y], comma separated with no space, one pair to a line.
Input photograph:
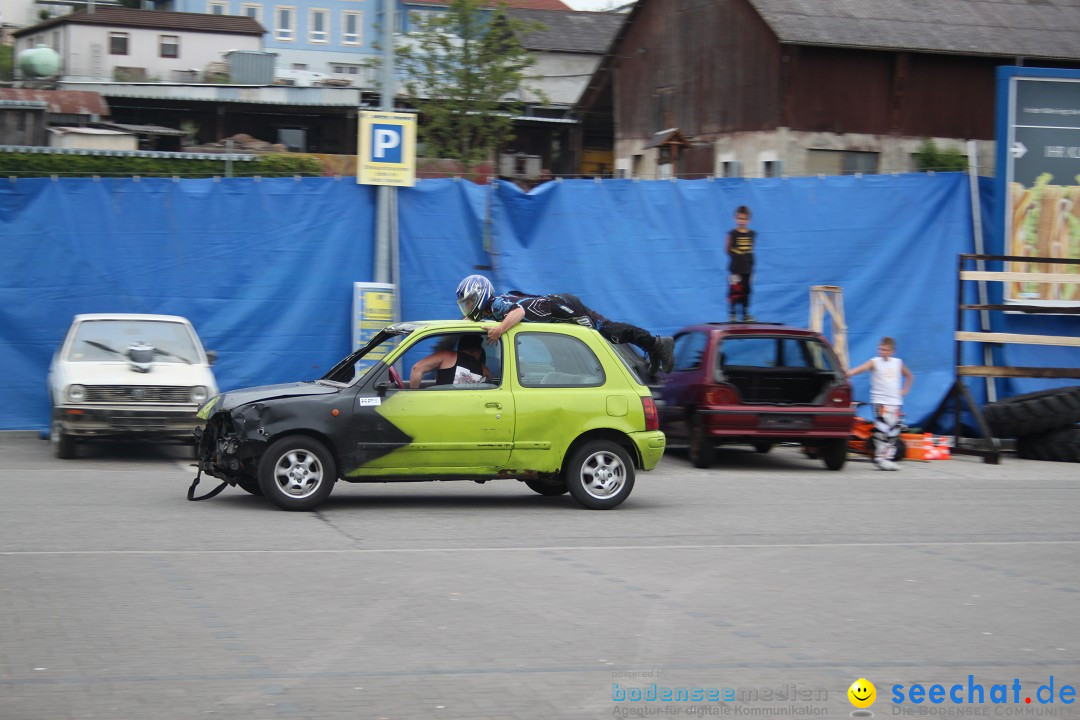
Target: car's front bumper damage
[159,422]
[223,450]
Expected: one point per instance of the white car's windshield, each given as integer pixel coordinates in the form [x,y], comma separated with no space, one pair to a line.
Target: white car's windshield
[110,340]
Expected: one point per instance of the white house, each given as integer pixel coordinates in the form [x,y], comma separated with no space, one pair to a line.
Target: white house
[92,138]
[141,45]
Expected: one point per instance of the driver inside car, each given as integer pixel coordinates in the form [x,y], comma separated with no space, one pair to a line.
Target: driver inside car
[454,367]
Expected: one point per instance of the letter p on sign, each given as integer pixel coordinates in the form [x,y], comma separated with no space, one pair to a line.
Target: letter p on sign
[386,143]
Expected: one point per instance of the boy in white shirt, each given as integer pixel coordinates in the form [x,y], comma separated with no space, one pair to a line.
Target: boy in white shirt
[886,396]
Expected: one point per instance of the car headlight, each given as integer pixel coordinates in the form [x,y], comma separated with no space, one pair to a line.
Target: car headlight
[204,411]
[76,393]
[199,393]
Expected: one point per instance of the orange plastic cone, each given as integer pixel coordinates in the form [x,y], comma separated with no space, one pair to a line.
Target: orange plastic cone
[943,448]
[930,450]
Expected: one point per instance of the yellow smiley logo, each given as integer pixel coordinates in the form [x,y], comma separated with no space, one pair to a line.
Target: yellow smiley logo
[862,693]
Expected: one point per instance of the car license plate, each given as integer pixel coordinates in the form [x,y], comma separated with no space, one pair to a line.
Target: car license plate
[785,422]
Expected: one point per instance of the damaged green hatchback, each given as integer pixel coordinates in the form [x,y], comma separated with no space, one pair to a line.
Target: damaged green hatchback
[557,407]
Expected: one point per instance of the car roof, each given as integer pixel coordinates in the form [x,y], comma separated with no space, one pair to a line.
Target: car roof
[751,328]
[482,325]
[130,316]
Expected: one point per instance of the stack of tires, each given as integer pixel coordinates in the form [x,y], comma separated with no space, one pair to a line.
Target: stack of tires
[1044,423]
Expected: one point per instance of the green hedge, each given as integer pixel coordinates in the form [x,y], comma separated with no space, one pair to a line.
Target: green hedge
[65,165]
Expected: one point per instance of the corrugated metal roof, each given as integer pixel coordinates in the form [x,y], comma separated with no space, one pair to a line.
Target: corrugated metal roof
[24,104]
[144,129]
[159,20]
[45,150]
[581,32]
[527,4]
[1009,28]
[246,94]
[61,102]
[64,130]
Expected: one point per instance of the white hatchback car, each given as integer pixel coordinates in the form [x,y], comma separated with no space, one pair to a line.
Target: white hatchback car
[124,375]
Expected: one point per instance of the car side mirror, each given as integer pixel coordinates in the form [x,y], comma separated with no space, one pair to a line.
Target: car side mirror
[211,356]
[382,387]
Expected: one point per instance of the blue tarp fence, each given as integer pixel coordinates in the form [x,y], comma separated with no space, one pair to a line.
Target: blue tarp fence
[265,268]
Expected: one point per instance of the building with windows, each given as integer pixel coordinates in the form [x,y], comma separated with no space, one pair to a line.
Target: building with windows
[189,68]
[332,42]
[125,45]
[773,87]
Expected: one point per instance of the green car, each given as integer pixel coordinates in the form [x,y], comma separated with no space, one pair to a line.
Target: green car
[557,407]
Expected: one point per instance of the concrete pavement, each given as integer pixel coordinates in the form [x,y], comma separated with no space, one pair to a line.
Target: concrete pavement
[767,578]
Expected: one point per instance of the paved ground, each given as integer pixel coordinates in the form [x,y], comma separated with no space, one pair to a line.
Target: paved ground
[767,574]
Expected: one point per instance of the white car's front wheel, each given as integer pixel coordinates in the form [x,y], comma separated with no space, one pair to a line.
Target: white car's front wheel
[63,445]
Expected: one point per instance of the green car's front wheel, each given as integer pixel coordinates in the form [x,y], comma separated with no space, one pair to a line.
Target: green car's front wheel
[600,474]
[297,472]
[249,485]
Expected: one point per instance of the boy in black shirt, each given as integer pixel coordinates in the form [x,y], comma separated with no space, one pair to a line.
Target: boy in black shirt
[740,248]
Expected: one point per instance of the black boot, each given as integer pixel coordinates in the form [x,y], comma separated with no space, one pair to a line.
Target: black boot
[662,355]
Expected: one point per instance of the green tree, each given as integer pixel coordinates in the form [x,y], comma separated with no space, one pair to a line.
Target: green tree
[464,71]
[931,157]
[7,62]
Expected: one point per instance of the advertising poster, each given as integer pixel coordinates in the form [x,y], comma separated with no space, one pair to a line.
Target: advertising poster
[373,309]
[1041,150]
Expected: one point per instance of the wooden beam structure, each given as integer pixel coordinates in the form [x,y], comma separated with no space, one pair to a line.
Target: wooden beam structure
[830,299]
[1017,372]
[1020,276]
[1017,338]
[959,395]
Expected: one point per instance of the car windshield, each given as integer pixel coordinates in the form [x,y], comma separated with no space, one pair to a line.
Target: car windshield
[354,366]
[111,340]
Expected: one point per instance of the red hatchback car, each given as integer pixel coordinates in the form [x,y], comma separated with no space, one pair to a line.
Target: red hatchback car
[756,384]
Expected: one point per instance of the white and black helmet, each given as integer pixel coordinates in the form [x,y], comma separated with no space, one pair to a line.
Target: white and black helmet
[473,295]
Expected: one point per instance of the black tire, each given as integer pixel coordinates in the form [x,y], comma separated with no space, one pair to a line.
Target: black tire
[250,485]
[1034,413]
[1056,446]
[701,451]
[599,474]
[550,488]
[901,448]
[297,473]
[63,445]
[833,453]
[763,446]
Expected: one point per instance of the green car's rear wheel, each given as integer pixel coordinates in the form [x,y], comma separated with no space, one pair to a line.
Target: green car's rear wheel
[600,474]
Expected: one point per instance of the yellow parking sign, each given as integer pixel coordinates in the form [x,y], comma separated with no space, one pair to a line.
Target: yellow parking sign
[387,146]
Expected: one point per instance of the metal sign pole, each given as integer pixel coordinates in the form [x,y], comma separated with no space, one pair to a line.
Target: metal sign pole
[385,238]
